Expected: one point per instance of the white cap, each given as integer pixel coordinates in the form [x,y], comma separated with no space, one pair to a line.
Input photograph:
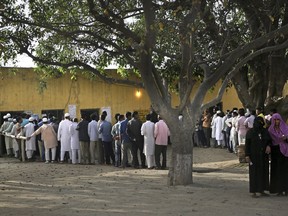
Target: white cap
[44,120]
[31,119]
[218,112]
[8,115]
[5,117]
[66,115]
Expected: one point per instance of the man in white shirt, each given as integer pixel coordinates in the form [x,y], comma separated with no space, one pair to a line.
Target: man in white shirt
[93,134]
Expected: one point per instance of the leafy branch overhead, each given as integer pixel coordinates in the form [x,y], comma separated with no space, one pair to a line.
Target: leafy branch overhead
[171,44]
[181,42]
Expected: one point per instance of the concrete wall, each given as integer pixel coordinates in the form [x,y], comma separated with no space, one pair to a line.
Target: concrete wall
[19,91]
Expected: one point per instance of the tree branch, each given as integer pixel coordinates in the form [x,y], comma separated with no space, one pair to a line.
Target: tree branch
[236,70]
[85,66]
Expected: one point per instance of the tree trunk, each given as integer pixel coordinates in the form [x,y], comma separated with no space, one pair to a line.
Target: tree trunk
[180,171]
[265,83]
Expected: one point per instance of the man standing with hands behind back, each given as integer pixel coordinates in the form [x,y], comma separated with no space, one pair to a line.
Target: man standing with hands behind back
[161,133]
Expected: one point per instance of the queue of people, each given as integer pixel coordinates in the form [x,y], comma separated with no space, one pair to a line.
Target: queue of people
[259,140]
[268,142]
[226,130]
[90,142]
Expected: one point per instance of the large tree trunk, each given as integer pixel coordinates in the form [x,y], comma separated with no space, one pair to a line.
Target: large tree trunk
[180,172]
[264,83]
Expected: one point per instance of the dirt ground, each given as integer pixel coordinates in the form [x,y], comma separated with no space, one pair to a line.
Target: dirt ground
[220,188]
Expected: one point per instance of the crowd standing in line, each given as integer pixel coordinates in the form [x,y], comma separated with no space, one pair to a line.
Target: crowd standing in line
[94,142]
[259,140]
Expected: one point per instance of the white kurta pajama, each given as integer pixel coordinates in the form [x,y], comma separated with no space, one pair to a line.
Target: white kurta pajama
[65,138]
[14,142]
[8,143]
[213,127]
[147,130]
[49,138]
[31,143]
[218,130]
[75,143]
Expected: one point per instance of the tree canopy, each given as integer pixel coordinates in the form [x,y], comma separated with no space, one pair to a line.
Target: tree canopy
[171,44]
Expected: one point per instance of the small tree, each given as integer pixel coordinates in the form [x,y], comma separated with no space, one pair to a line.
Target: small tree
[171,44]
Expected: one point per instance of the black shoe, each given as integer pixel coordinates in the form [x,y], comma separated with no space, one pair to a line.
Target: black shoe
[280,194]
[264,194]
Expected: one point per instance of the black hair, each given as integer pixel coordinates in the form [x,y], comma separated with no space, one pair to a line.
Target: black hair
[148,117]
[128,114]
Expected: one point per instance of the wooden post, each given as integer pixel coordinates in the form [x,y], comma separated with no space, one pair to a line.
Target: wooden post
[23,149]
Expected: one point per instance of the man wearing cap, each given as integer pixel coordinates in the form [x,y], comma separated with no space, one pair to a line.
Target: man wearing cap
[218,124]
[49,138]
[213,128]
[4,126]
[40,142]
[8,140]
[31,143]
[64,137]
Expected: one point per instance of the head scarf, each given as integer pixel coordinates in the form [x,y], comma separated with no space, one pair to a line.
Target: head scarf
[277,136]
[258,124]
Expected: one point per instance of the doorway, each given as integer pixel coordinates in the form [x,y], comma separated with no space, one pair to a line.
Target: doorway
[89,112]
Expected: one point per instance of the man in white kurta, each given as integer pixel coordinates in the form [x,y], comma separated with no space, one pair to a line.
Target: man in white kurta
[218,129]
[8,140]
[31,143]
[147,130]
[213,128]
[4,126]
[64,137]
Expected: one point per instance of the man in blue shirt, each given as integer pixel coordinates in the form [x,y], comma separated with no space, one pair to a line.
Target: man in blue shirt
[105,130]
[125,140]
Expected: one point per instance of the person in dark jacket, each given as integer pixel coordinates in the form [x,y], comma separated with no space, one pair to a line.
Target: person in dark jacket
[257,150]
[137,140]
[84,140]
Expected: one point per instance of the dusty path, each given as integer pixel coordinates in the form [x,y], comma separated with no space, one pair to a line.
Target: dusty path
[220,188]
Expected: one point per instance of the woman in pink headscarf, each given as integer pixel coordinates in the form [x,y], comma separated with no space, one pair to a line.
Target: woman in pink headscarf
[279,155]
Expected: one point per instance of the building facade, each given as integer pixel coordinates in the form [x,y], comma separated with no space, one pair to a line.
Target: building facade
[19,92]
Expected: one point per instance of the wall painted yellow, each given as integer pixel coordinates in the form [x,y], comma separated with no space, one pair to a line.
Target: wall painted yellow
[20,93]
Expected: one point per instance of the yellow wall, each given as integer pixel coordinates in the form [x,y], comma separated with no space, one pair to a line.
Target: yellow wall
[20,93]
[229,99]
